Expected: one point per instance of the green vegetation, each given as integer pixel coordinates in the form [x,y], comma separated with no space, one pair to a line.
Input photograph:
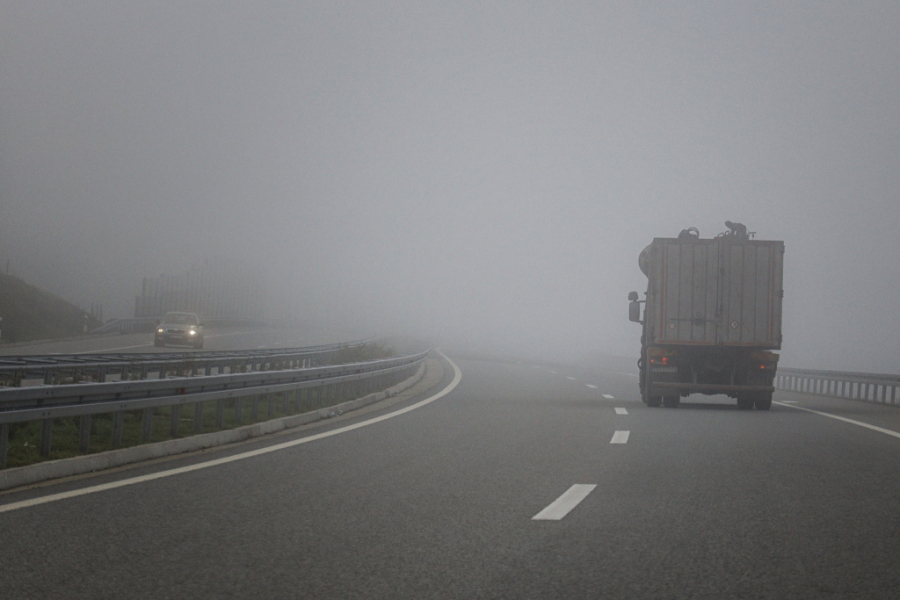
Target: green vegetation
[25,438]
[30,313]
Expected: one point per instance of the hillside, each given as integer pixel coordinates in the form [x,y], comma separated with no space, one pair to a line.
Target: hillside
[30,313]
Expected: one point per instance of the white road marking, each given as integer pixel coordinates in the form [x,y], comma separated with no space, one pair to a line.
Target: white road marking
[572,378]
[554,372]
[788,402]
[592,386]
[565,503]
[221,461]
[621,411]
[845,420]
[619,437]
[608,397]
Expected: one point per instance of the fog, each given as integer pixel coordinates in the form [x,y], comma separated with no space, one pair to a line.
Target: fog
[484,174]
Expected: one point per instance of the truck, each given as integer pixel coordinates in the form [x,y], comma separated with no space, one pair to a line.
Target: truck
[712,317]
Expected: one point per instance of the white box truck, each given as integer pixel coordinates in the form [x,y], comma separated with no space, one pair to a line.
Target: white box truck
[711,318]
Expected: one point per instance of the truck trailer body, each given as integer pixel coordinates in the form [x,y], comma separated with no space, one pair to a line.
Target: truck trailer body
[712,317]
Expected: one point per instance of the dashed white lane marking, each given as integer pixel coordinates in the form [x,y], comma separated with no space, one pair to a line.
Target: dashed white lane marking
[608,397]
[554,372]
[569,377]
[620,437]
[227,459]
[621,411]
[592,386]
[788,402]
[845,420]
[565,503]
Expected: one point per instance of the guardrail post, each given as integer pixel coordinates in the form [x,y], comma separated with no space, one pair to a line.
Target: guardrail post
[147,422]
[84,433]
[46,435]
[270,413]
[173,420]
[220,413]
[118,426]
[198,417]
[4,444]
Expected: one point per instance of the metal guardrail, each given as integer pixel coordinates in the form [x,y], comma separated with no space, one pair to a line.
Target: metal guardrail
[21,371]
[870,387]
[275,375]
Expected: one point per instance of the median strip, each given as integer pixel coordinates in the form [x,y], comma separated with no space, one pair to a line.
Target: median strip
[228,459]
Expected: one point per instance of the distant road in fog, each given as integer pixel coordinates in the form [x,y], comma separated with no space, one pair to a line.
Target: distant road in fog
[703,501]
[215,339]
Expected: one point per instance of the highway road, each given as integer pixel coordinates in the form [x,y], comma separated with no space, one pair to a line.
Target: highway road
[520,481]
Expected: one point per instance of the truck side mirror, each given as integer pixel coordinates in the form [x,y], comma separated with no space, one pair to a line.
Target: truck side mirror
[634,311]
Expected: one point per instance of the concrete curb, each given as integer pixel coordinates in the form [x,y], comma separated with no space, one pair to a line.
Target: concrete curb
[55,469]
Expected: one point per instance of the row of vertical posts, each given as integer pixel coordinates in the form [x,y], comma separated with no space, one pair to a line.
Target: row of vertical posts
[870,391]
[292,402]
[117,372]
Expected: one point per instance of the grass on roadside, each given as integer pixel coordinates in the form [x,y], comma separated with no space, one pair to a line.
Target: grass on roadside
[25,438]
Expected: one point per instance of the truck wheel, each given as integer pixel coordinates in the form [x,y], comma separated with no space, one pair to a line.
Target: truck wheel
[763,402]
[654,401]
[671,401]
[745,403]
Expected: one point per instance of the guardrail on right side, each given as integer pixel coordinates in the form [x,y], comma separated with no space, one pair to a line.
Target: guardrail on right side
[869,387]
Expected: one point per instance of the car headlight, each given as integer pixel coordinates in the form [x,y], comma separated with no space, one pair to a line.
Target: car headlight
[192,332]
[160,330]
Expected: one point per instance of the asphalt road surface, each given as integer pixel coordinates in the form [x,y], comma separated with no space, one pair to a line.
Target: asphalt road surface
[523,481]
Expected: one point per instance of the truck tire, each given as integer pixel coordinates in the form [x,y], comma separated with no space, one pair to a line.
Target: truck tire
[763,402]
[671,401]
[654,401]
[745,402]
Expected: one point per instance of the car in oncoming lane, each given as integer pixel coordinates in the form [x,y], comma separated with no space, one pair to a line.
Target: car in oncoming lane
[179,328]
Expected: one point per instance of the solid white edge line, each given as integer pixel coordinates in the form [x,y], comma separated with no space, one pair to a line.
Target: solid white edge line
[457,376]
[844,419]
[592,386]
[620,437]
[563,505]
[609,397]
[621,411]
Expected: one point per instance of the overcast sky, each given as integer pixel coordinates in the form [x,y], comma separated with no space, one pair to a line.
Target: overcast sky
[485,171]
